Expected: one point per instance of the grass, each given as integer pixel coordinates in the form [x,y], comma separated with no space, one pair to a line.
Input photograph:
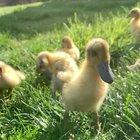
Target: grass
[28,29]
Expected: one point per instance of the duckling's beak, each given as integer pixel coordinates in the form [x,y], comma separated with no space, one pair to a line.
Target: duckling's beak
[105,72]
[0,70]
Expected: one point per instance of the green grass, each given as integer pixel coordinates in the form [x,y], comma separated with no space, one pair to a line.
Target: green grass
[28,29]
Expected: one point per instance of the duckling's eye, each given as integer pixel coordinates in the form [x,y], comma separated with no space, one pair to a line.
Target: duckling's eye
[133,13]
[63,41]
[41,61]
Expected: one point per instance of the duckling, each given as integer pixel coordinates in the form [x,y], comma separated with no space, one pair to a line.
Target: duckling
[62,67]
[135,23]
[135,67]
[87,90]
[69,47]
[9,77]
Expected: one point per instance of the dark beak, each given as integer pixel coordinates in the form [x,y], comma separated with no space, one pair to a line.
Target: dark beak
[0,70]
[105,72]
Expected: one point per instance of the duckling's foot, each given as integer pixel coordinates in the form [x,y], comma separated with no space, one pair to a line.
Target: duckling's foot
[96,122]
[53,95]
[1,93]
[66,116]
[65,119]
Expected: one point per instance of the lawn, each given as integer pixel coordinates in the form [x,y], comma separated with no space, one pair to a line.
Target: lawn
[25,30]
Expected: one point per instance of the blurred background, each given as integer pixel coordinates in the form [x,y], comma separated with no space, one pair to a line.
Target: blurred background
[14,2]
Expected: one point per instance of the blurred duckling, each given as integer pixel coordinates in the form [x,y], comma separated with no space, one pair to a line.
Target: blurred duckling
[62,67]
[69,47]
[9,78]
[135,67]
[87,90]
[135,23]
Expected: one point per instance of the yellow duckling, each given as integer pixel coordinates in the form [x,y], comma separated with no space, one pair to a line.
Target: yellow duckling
[135,23]
[87,89]
[9,77]
[61,65]
[69,47]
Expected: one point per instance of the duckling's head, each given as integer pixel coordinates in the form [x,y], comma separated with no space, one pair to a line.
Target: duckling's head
[97,53]
[42,61]
[67,42]
[135,13]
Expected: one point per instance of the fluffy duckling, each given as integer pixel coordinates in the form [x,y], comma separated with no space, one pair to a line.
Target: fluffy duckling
[61,65]
[135,67]
[87,90]
[135,23]
[9,77]
[69,47]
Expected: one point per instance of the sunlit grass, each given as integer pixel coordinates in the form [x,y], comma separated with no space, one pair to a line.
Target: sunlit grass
[29,29]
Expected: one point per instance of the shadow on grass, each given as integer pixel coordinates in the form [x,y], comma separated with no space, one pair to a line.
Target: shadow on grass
[42,18]
[70,128]
[42,79]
